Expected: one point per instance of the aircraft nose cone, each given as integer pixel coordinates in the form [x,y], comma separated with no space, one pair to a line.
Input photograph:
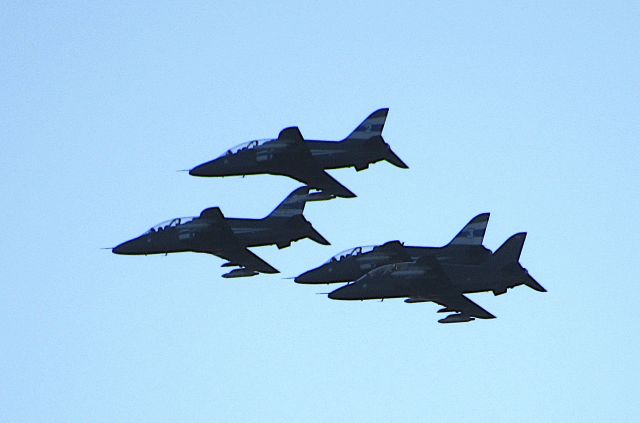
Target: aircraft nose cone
[199,170]
[124,248]
[312,276]
[211,168]
[344,293]
[335,295]
[120,249]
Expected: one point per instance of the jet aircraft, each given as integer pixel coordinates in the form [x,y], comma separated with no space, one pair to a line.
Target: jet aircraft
[306,160]
[228,238]
[466,247]
[428,279]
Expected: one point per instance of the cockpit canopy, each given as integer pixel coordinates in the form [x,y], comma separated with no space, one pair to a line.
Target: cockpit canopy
[352,252]
[247,146]
[171,223]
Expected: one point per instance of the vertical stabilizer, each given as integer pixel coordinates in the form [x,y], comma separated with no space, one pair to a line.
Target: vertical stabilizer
[509,252]
[507,258]
[288,216]
[371,127]
[292,205]
[370,131]
[473,232]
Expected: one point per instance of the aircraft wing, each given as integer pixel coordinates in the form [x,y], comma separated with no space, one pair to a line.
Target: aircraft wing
[455,302]
[316,177]
[448,296]
[241,256]
[236,253]
[306,169]
[458,302]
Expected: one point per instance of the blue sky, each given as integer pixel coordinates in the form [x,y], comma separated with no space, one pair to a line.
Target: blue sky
[529,111]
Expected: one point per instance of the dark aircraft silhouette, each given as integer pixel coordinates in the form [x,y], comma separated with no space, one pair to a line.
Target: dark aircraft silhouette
[229,238]
[428,279]
[306,160]
[466,247]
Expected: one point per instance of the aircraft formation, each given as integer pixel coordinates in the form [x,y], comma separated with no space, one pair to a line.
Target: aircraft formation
[391,270]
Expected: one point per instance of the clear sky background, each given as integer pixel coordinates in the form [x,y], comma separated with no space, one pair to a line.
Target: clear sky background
[527,110]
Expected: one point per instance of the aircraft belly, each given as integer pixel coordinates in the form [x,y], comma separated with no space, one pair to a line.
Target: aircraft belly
[400,288]
[331,155]
[253,237]
[470,278]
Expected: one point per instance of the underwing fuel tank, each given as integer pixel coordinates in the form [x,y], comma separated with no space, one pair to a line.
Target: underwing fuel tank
[240,273]
[416,300]
[456,318]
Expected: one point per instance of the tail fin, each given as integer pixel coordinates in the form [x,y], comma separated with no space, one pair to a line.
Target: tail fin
[370,127]
[509,252]
[508,257]
[473,232]
[371,130]
[294,204]
[295,228]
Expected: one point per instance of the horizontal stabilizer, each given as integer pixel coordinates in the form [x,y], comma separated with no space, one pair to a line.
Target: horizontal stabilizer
[533,284]
[314,235]
[393,158]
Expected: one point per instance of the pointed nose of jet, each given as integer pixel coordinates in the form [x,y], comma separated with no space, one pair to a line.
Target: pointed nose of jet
[214,167]
[126,248]
[311,277]
[347,292]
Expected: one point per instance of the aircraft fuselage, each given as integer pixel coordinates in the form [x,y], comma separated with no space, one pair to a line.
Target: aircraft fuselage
[347,269]
[207,237]
[416,281]
[278,159]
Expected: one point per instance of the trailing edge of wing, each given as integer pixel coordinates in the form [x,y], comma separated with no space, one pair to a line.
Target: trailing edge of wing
[464,305]
[453,301]
[236,254]
[318,178]
[243,257]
